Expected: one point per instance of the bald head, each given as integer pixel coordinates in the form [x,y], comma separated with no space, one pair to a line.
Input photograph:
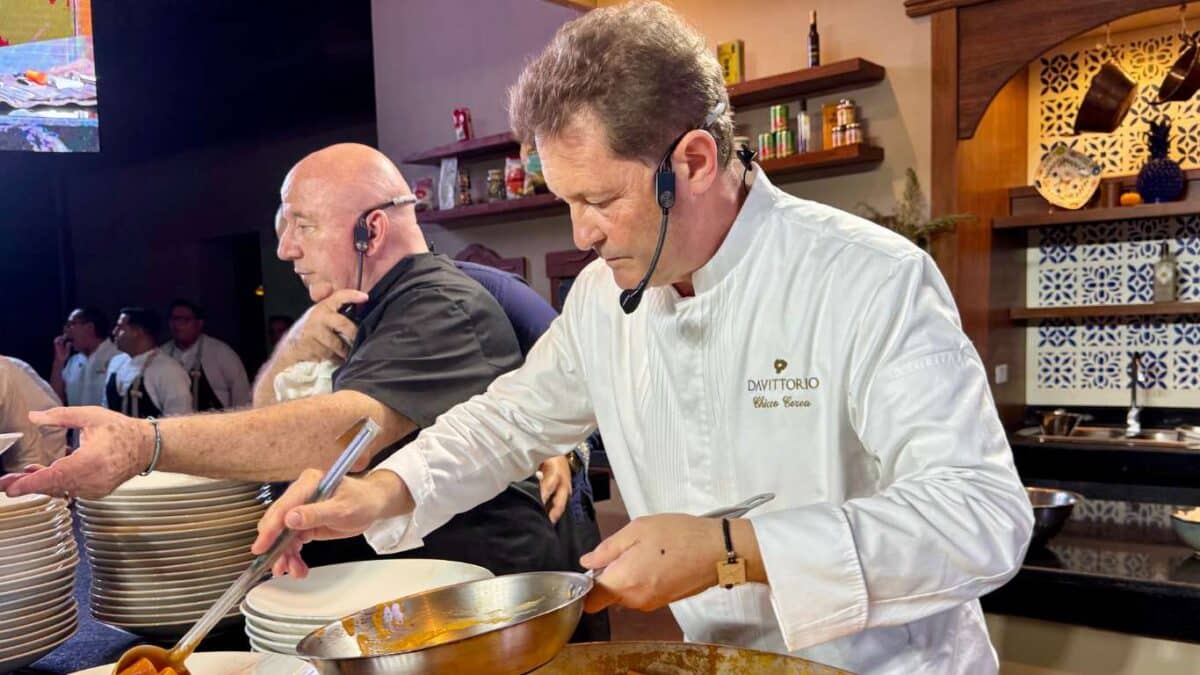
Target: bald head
[321,199]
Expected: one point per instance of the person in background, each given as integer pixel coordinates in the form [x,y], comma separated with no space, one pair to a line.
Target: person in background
[142,382]
[578,531]
[78,378]
[277,327]
[423,338]
[216,372]
[23,391]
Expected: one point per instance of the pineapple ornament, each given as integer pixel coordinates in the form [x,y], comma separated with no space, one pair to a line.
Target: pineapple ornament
[1161,179]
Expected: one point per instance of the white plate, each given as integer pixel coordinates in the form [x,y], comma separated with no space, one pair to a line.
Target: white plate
[10,662]
[53,558]
[277,646]
[110,509]
[18,504]
[196,571]
[156,627]
[126,568]
[267,625]
[34,612]
[165,482]
[190,576]
[249,527]
[132,613]
[232,663]
[261,648]
[175,518]
[35,597]
[333,591]
[7,440]
[141,595]
[18,636]
[52,549]
[161,549]
[57,523]
[1066,177]
[166,585]
[32,542]
[128,561]
[60,573]
[41,635]
[207,525]
[185,500]
[35,516]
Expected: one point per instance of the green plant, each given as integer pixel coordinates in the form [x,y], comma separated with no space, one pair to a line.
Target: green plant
[909,218]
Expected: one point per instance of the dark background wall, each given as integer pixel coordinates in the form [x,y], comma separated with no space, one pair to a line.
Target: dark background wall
[204,105]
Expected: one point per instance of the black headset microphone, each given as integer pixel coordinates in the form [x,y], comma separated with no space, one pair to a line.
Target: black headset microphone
[664,189]
[362,241]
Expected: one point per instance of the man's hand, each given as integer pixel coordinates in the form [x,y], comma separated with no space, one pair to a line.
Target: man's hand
[356,505]
[113,448]
[654,561]
[62,350]
[321,333]
[556,486]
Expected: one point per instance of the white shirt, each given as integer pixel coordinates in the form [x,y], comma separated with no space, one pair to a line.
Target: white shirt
[22,391]
[221,365]
[821,359]
[84,376]
[165,381]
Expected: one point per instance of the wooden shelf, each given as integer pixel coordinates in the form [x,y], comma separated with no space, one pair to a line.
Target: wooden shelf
[1146,309]
[823,163]
[837,76]
[1100,215]
[826,79]
[808,166]
[496,144]
[494,212]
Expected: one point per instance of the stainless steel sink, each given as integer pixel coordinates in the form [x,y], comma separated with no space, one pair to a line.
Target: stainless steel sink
[1148,438]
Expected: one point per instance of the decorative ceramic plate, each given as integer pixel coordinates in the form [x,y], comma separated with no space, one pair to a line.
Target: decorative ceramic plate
[1067,177]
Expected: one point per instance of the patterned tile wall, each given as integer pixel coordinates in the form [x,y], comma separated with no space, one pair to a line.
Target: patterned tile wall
[1061,80]
[1086,361]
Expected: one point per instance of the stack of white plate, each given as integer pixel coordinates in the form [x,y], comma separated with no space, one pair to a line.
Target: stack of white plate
[37,577]
[280,612]
[163,547]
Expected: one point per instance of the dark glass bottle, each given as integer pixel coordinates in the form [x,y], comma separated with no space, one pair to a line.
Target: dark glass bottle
[814,41]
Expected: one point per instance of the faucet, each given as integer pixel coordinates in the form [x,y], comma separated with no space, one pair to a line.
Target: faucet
[1133,427]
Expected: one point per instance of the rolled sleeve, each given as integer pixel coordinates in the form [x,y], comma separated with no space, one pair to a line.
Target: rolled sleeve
[404,533]
[817,586]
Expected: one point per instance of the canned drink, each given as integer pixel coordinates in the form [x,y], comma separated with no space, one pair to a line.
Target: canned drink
[766,145]
[839,136]
[779,117]
[785,145]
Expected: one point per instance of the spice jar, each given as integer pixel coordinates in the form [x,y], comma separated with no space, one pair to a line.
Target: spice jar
[839,136]
[464,188]
[853,133]
[495,185]
[846,114]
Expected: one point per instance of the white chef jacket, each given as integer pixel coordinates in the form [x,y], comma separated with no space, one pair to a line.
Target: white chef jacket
[22,390]
[221,365]
[84,376]
[821,359]
[165,381]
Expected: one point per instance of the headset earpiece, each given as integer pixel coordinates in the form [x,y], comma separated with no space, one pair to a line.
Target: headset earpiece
[362,235]
[664,186]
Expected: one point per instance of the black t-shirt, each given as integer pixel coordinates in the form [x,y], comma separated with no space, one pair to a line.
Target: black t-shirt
[428,339]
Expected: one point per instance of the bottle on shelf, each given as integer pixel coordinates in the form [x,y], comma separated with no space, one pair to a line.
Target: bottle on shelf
[814,41]
[1166,275]
[803,129]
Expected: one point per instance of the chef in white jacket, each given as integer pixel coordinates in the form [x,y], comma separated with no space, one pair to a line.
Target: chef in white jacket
[780,346]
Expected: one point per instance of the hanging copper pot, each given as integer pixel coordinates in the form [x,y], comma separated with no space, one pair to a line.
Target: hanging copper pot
[1107,101]
[1183,79]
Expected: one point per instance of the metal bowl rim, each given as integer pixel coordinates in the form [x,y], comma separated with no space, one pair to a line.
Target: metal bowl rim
[588,583]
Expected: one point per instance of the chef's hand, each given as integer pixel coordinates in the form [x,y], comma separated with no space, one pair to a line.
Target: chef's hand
[556,486]
[322,334]
[350,511]
[112,449]
[62,350]
[654,561]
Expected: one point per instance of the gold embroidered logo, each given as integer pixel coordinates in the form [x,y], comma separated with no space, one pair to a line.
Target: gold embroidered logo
[780,366]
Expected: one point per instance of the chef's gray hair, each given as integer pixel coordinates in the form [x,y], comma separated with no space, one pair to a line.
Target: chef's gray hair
[643,71]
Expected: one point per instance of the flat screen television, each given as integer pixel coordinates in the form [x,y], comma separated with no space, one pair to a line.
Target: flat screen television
[48,89]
